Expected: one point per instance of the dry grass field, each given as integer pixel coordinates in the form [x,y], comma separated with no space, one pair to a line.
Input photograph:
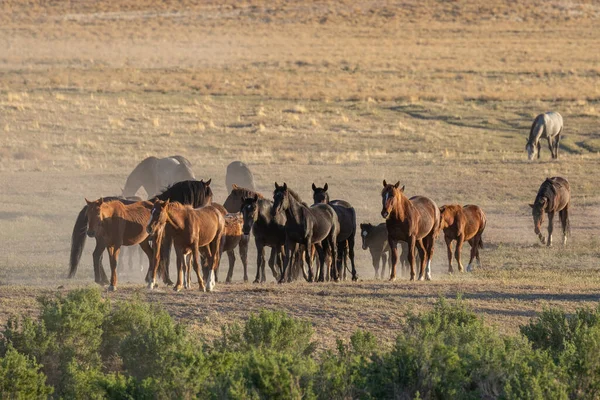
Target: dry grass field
[437,94]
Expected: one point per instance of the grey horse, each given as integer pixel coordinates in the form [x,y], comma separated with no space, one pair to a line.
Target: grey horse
[548,125]
[238,173]
[156,174]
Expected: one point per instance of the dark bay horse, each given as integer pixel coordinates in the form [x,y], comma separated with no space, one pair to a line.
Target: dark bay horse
[155,174]
[347,219]
[317,225]
[463,224]
[554,196]
[268,230]
[375,239]
[119,225]
[239,174]
[195,193]
[549,126]
[415,221]
[191,230]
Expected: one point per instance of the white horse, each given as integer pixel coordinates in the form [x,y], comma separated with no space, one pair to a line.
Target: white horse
[155,174]
[548,125]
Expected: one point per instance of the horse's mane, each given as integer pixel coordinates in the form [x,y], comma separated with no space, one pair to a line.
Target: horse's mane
[182,160]
[548,191]
[297,197]
[243,192]
[195,193]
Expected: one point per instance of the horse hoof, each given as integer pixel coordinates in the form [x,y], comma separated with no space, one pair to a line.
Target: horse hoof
[393,279]
[428,277]
[177,288]
[421,278]
[112,288]
[257,281]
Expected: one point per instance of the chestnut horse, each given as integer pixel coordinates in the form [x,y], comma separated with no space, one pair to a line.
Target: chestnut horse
[554,196]
[462,224]
[191,230]
[415,221]
[119,225]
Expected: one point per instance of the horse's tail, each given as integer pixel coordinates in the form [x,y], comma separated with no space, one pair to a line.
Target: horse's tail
[480,233]
[567,227]
[182,160]
[135,180]
[78,240]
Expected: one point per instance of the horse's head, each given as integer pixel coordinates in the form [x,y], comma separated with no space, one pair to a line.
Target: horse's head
[208,194]
[320,195]
[532,150]
[365,230]
[537,210]
[94,215]
[447,215]
[249,212]
[158,217]
[388,195]
[281,200]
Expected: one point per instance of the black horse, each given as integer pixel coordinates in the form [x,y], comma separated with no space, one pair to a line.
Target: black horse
[347,218]
[196,193]
[268,231]
[317,225]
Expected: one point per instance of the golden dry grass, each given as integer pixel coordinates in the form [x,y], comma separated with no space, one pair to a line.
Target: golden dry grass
[439,95]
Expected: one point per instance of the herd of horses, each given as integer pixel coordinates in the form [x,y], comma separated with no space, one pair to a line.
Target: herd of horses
[184,217]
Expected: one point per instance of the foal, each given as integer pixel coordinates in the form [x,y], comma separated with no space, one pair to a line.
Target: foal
[463,224]
[190,229]
[119,224]
[554,196]
[415,221]
[375,239]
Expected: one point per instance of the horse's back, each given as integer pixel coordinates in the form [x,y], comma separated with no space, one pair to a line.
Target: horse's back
[430,214]
[476,219]
[325,219]
[553,122]
[238,173]
[346,217]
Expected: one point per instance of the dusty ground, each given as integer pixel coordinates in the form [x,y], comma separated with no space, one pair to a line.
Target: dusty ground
[438,95]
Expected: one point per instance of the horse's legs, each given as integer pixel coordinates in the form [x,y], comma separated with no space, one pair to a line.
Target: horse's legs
[322,274]
[394,250]
[460,240]
[385,259]
[550,228]
[333,248]
[564,222]
[351,254]
[421,250]
[147,249]
[449,249]
[99,274]
[375,257]
[551,146]
[113,253]
[231,257]
[429,242]
[272,260]
[180,265]
[243,249]
[289,247]
[539,149]
[196,263]
[474,243]
[213,261]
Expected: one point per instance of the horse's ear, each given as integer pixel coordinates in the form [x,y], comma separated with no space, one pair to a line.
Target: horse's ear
[442,209]
[101,200]
[207,183]
[531,205]
[276,185]
[284,186]
[384,183]
[87,201]
[234,186]
[255,196]
[314,187]
[402,188]
[325,187]
[397,185]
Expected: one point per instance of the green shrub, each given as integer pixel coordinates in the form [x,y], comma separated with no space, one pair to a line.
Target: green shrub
[341,373]
[20,377]
[573,341]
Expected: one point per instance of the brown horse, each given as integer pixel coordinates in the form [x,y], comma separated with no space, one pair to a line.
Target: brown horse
[554,196]
[191,230]
[415,221]
[462,224]
[232,238]
[119,225]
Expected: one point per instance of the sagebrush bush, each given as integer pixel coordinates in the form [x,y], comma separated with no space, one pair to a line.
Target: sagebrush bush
[81,346]
[21,378]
